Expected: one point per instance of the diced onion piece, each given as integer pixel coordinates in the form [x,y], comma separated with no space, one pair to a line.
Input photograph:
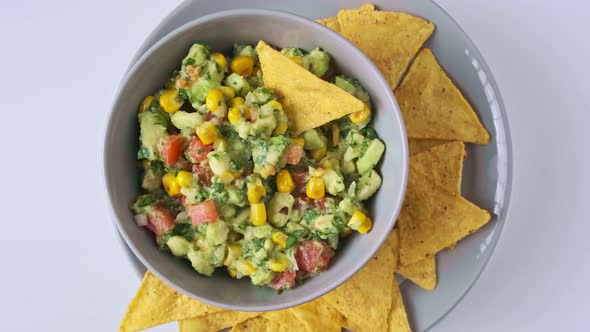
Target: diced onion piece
[140,220]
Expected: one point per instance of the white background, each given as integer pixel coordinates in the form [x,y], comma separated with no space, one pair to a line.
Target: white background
[62,269]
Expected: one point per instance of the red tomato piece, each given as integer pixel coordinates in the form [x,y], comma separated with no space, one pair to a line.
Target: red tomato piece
[160,220]
[197,151]
[204,172]
[171,148]
[283,281]
[313,255]
[203,212]
[294,154]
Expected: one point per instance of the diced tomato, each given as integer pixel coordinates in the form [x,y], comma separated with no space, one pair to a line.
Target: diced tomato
[204,172]
[294,154]
[283,281]
[197,151]
[313,255]
[203,212]
[171,148]
[160,220]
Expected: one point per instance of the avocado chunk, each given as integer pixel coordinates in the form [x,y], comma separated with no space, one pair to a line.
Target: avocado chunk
[152,124]
[239,83]
[244,49]
[216,233]
[197,55]
[319,62]
[334,181]
[292,51]
[185,120]
[312,140]
[371,156]
[200,262]
[279,202]
[199,89]
[219,162]
[352,86]
[178,245]
[260,96]
[368,184]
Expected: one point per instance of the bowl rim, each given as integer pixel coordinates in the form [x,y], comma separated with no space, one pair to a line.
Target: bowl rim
[404,155]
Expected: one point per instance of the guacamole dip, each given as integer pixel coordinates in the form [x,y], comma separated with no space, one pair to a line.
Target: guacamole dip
[227,183]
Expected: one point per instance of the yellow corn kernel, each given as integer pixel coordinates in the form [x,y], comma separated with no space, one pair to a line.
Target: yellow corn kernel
[279,238]
[276,105]
[318,154]
[285,182]
[357,220]
[298,141]
[232,272]
[220,59]
[366,226]
[184,179]
[245,268]
[315,188]
[228,91]
[242,65]
[145,104]
[207,132]
[330,163]
[281,128]
[335,134]
[213,100]
[237,101]
[297,59]
[360,116]
[171,185]
[226,177]
[257,214]
[255,192]
[277,266]
[170,101]
[233,252]
[220,144]
[233,115]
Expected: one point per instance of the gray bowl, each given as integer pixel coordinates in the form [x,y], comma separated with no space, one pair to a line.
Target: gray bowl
[221,30]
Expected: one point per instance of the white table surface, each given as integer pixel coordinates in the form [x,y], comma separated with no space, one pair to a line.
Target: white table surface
[62,268]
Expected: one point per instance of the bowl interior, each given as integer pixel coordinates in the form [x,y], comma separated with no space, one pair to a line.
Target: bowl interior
[221,31]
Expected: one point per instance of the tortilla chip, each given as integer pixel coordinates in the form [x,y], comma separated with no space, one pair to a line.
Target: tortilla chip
[215,322]
[433,218]
[330,22]
[389,39]
[257,324]
[318,315]
[308,100]
[286,320]
[394,238]
[444,164]
[398,319]
[433,107]
[422,273]
[365,299]
[156,303]
[420,145]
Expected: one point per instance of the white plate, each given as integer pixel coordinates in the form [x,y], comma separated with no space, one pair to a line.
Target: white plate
[487,174]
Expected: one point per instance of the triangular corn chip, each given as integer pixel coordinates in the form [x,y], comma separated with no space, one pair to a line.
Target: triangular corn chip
[330,22]
[365,299]
[318,315]
[422,272]
[215,322]
[156,303]
[286,319]
[398,319]
[433,218]
[389,39]
[433,107]
[443,163]
[257,324]
[419,145]
[308,100]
